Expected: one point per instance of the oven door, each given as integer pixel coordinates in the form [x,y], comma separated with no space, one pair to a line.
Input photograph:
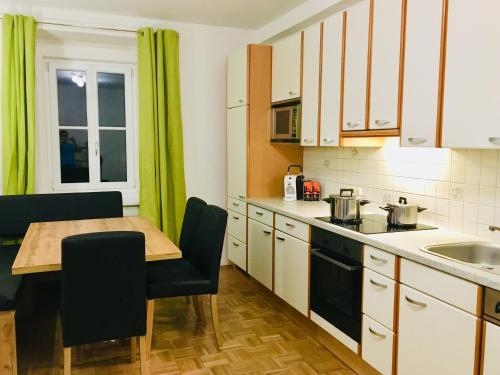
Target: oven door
[336,291]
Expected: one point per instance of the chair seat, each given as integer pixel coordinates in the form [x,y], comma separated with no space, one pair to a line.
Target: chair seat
[175,278]
[9,285]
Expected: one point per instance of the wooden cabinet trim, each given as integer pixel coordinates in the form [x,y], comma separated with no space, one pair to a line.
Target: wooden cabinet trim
[442,73]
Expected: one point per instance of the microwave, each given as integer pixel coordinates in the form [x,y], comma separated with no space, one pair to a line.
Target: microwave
[286,122]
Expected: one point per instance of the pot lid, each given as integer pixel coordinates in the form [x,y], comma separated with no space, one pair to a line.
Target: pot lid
[402,202]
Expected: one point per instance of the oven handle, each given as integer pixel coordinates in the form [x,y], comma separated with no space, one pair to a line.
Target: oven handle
[316,252]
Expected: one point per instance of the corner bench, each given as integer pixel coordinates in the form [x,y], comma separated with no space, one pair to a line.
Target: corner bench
[17,212]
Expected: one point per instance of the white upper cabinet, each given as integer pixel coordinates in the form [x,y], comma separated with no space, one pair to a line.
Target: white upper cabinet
[421,73]
[310,89]
[355,66]
[237,152]
[471,110]
[386,43]
[331,79]
[287,56]
[237,78]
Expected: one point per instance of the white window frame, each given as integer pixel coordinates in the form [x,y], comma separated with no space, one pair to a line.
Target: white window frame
[91,68]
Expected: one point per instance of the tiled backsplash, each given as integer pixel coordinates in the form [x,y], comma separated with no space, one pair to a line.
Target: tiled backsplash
[459,188]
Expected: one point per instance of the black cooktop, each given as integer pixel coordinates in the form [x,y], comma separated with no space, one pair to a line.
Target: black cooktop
[373,224]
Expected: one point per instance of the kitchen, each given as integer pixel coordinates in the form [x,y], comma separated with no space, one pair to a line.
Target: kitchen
[376,102]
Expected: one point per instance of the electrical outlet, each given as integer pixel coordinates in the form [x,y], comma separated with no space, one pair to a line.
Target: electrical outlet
[457,193]
[386,198]
[326,163]
[354,152]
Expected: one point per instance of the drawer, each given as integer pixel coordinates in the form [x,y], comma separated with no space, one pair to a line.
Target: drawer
[237,252]
[448,288]
[377,343]
[237,226]
[379,261]
[293,227]
[379,297]
[261,215]
[237,205]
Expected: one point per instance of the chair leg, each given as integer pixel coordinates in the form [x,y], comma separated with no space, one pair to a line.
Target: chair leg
[188,301]
[8,354]
[67,361]
[143,356]
[198,309]
[215,319]
[149,327]
[133,349]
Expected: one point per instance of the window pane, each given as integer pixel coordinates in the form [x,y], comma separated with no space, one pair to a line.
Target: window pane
[72,97]
[74,155]
[113,155]
[111,96]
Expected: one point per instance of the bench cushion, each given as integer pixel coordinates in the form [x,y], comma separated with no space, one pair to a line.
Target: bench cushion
[17,212]
[9,284]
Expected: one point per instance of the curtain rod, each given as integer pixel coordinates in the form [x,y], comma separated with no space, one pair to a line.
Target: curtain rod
[84,26]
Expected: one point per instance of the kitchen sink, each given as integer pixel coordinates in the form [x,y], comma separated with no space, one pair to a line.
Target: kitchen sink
[484,255]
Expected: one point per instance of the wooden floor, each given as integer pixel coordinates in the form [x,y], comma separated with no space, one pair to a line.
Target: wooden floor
[259,339]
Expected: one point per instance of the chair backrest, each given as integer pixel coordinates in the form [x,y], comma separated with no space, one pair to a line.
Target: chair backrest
[18,211]
[190,223]
[103,287]
[207,250]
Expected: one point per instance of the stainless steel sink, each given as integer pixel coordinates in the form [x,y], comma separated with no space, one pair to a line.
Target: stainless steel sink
[484,255]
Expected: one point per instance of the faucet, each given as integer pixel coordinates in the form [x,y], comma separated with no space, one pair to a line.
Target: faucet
[494,228]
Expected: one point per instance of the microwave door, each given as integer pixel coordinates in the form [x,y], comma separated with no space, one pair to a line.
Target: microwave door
[282,121]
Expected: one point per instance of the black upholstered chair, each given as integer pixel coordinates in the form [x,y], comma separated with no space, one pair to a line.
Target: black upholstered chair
[197,274]
[103,293]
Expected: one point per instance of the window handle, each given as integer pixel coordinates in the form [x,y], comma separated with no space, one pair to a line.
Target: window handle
[96,147]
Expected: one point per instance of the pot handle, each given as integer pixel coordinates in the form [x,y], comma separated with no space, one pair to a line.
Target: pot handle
[388,209]
[363,202]
[402,200]
[420,209]
[327,200]
[342,191]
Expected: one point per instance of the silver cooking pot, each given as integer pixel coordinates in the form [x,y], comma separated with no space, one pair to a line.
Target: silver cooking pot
[345,206]
[402,214]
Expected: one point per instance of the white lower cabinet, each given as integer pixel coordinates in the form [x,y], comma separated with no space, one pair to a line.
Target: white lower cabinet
[378,297]
[434,337]
[377,345]
[237,225]
[491,359]
[260,252]
[237,252]
[291,271]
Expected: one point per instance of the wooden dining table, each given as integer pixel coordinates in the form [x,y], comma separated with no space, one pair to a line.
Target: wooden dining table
[40,250]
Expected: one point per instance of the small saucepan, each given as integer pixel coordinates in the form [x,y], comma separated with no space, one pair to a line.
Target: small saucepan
[402,214]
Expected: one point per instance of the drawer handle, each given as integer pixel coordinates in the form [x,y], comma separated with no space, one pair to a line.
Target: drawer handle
[413,302]
[382,122]
[267,232]
[417,141]
[377,259]
[236,204]
[292,92]
[236,218]
[241,100]
[352,124]
[280,238]
[259,213]
[241,196]
[375,333]
[236,244]
[327,140]
[383,286]
[290,225]
[308,140]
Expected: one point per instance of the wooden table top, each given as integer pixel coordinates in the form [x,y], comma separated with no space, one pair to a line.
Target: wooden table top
[41,247]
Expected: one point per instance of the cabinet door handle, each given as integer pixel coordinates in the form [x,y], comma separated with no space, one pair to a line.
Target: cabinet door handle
[375,333]
[236,244]
[417,141]
[236,218]
[241,196]
[280,238]
[308,140]
[352,124]
[328,140]
[382,122]
[236,204]
[290,225]
[494,140]
[292,92]
[241,100]
[266,232]
[413,302]
[379,285]
[259,213]
[377,259]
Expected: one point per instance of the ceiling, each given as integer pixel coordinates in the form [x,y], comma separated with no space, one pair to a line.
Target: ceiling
[248,14]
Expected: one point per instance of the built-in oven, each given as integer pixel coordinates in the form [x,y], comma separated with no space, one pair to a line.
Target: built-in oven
[336,281]
[286,122]
[492,306]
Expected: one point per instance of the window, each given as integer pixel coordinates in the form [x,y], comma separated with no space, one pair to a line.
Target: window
[91,125]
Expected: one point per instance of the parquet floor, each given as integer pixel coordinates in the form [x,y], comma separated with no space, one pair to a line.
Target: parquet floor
[259,339]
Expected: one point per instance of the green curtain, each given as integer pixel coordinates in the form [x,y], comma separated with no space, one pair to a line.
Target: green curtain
[161,155]
[18,104]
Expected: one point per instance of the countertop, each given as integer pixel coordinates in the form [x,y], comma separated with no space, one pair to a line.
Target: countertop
[404,244]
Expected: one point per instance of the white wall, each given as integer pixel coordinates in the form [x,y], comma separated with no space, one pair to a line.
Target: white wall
[203,51]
